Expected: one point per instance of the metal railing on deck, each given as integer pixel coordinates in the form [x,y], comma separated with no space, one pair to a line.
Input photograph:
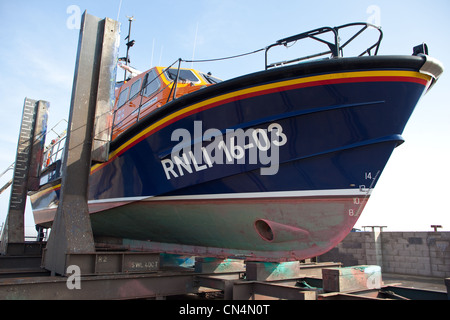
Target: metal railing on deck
[144,99]
[54,152]
[336,49]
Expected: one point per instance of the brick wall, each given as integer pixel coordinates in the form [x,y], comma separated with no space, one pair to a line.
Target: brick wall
[413,253]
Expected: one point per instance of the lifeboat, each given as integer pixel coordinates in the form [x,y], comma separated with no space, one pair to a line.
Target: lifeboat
[275,165]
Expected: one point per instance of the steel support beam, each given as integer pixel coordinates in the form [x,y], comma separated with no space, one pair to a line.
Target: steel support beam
[223,282]
[395,292]
[256,290]
[167,282]
[26,171]
[115,262]
[107,287]
[93,85]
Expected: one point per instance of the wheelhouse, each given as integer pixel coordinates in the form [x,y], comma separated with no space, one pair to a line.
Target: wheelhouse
[140,96]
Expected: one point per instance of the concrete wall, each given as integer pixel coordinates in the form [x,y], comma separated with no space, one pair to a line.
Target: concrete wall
[413,253]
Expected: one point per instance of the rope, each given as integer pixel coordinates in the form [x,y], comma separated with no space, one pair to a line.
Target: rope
[224,58]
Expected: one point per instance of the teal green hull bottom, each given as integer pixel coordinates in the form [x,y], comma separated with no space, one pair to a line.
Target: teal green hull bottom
[262,229]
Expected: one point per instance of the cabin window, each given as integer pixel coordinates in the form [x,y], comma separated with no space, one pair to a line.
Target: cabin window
[123,98]
[185,75]
[151,83]
[135,89]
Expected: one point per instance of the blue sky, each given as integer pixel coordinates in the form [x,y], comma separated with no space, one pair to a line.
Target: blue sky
[39,44]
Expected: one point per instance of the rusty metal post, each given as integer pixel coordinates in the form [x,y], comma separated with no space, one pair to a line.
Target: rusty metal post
[93,81]
[37,149]
[25,177]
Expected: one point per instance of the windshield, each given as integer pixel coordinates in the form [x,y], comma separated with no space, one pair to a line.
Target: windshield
[185,75]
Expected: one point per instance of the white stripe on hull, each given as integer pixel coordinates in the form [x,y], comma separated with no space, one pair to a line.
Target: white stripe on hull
[252,195]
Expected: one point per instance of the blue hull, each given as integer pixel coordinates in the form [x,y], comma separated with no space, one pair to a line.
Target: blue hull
[338,135]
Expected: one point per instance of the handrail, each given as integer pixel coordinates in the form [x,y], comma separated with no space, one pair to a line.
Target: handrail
[54,151]
[175,86]
[143,88]
[335,49]
[10,167]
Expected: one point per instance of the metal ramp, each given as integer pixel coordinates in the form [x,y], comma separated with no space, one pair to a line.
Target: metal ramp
[26,174]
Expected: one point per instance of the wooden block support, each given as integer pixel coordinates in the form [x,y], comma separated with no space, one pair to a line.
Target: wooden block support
[177,260]
[215,265]
[272,271]
[351,278]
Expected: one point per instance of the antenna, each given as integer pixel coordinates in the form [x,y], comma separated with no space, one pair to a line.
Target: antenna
[129,44]
[195,44]
[118,12]
[153,51]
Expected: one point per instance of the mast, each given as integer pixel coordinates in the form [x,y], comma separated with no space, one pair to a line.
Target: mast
[129,44]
